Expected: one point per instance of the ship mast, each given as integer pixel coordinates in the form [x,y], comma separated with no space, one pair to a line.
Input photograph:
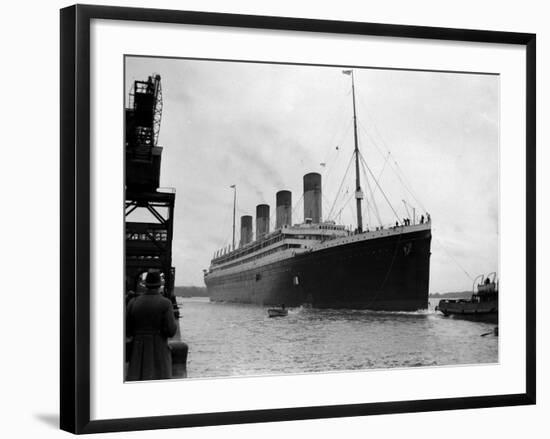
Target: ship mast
[358,191]
[234,187]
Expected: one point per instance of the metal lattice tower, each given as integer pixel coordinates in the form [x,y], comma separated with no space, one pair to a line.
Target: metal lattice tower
[148,242]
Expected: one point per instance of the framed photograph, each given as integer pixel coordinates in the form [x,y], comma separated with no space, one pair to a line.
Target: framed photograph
[275,218]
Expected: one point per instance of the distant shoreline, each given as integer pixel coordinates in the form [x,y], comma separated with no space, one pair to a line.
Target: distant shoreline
[185,291]
[191,292]
[457,295]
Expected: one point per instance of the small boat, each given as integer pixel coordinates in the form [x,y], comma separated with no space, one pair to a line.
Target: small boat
[493,332]
[483,305]
[277,312]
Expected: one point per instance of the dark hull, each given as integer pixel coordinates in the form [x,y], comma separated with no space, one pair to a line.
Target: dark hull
[386,273]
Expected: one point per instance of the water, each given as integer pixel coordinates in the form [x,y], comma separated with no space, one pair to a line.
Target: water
[241,340]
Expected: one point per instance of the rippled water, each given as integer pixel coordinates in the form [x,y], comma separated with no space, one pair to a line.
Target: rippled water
[234,340]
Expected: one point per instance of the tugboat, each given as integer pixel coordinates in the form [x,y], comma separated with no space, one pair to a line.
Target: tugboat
[483,305]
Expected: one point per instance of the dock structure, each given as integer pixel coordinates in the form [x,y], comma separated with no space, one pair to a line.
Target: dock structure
[149,211]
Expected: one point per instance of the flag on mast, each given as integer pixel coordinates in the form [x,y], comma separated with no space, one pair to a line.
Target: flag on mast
[232,186]
[347,72]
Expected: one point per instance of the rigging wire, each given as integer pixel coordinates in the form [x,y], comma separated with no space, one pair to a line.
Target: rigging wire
[368,209]
[453,258]
[341,199]
[381,190]
[406,208]
[394,165]
[325,199]
[383,168]
[330,165]
[344,206]
[409,190]
[334,129]
[340,188]
[381,172]
[330,162]
[341,138]
[297,204]
[350,207]
[372,204]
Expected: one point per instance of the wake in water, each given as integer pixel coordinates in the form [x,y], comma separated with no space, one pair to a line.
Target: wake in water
[346,312]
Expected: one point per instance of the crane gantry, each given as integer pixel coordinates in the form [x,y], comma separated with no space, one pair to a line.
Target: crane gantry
[149,211]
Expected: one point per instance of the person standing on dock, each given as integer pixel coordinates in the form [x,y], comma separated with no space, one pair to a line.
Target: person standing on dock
[150,322]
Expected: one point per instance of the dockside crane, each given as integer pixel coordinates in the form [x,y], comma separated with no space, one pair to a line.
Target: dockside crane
[149,211]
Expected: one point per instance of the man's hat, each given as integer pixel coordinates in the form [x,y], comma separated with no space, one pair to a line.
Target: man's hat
[152,280]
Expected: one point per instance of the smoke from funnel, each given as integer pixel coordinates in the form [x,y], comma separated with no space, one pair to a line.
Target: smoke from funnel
[262,220]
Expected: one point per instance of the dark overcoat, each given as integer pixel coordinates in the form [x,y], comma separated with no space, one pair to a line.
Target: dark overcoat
[150,322]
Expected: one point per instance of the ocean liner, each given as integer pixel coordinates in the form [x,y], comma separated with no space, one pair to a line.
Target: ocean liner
[321,263]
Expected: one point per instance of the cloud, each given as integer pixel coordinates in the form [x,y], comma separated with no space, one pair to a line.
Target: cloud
[262,127]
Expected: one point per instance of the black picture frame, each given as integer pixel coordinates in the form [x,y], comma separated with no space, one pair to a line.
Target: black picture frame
[75,217]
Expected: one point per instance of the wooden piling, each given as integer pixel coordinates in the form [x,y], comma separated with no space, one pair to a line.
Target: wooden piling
[179,358]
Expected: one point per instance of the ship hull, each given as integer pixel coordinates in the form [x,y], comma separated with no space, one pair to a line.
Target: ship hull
[387,273]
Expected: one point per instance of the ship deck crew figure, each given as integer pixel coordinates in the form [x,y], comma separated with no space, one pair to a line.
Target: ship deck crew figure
[150,322]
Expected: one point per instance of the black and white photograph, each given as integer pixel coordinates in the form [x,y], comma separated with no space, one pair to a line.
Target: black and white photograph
[275,219]
[295,219]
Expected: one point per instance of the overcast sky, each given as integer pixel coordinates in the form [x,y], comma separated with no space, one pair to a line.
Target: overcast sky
[429,138]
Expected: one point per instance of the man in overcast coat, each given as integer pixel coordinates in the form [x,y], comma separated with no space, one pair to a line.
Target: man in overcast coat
[150,322]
